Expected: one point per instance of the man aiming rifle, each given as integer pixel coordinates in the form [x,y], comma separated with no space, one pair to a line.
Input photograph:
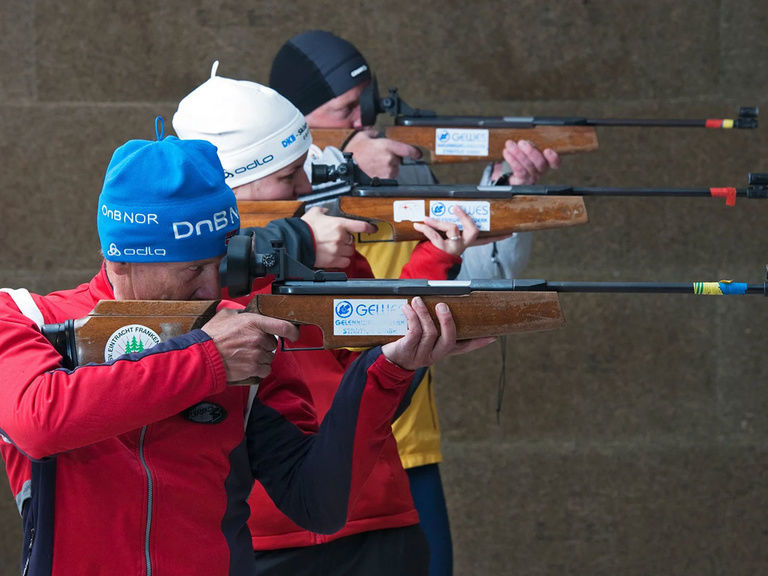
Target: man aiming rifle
[143,463]
[245,120]
[324,76]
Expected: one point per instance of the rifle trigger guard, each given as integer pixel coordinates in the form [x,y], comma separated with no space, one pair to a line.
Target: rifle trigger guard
[284,348]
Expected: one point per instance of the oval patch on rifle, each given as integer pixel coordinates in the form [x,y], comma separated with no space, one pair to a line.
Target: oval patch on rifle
[205,413]
[128,340]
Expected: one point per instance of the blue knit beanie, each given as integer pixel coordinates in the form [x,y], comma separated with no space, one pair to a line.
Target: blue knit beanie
[165,201]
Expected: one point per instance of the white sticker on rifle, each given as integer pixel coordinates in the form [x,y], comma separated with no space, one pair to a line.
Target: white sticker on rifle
[461,142]
[128,340]
[478,210]
[369,317]
[409,210]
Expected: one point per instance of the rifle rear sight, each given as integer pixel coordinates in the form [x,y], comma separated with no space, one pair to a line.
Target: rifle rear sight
[371,105]
[243,264]
[348,172]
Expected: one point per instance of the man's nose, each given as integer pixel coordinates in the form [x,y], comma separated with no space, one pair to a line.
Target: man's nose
[301,183]
[357,122]
[210,284]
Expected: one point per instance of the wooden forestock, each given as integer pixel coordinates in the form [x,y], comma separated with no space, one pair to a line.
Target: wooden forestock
[514,214]
[476,314]
[562,139]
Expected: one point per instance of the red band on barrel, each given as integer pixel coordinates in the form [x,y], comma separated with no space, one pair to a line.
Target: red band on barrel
[714,123]
[728,193]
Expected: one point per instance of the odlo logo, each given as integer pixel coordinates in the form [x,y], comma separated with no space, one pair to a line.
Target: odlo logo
[129,340]
[255,164]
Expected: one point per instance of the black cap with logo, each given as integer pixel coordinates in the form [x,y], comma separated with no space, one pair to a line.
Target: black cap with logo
[316,66]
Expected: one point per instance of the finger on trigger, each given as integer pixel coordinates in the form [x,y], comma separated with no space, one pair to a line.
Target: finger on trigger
[404,150]
[275,326]
[360,226]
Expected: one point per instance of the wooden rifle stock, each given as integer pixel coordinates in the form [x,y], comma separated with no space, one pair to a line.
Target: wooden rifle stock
[507,215]
[336,137]
[498,210]
[96,338]
[476,314]
[165,318]
[259,213]
[562,139]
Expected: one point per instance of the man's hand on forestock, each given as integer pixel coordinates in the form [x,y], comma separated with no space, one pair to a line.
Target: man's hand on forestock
[379,157]
[528,163]
[334,237]
[423,345]
[247,341]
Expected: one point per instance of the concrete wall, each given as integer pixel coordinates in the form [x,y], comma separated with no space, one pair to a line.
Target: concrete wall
[631,442]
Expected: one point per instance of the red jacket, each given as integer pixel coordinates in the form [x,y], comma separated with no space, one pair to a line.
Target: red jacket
[385,500]
[112,478]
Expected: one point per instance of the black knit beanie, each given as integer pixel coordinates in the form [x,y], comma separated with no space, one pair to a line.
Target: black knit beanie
[316,66]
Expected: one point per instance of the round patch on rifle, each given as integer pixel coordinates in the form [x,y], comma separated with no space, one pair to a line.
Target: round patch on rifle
[128,340]
[205,413]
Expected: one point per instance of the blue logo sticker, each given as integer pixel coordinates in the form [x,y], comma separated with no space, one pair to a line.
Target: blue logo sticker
[443,135]
[438,209]
[344,309]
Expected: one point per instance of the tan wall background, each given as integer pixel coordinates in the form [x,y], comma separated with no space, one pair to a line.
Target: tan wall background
[631,442]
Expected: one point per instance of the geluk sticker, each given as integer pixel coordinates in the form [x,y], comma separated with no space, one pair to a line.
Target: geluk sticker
[478,210]
[408,210]
[461,142]
[369,317]
[128,340]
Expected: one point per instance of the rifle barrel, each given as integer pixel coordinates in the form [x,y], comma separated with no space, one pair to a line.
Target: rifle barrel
[500,192]
[373,287]
[747,119]
[522,122]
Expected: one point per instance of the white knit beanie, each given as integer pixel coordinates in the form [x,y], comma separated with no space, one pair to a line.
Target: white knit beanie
[256,130]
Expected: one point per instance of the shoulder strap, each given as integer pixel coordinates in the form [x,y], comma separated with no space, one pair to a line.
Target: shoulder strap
[26,304]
